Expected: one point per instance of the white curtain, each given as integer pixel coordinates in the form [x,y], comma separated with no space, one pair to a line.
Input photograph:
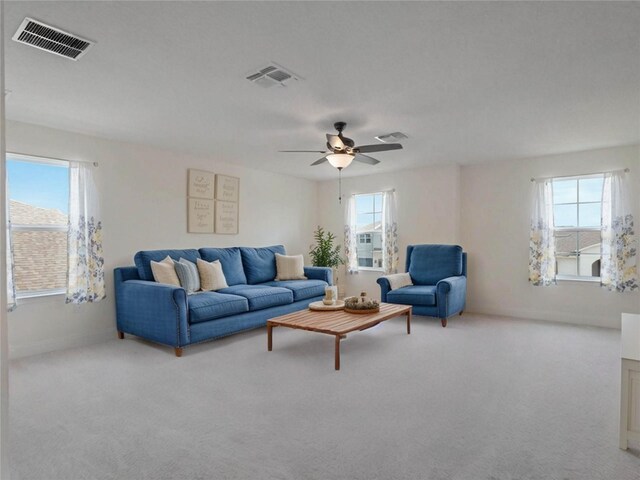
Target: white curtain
[350,236]
[618,269]
[542,255]
[390,250]
[85,281]
[11,288]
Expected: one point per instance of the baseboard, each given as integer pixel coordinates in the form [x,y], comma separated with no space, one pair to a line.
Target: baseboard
[63,343]
[548,316]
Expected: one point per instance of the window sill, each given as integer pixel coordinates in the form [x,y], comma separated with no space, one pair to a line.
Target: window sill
[370,269]
[35,295]
[571,278]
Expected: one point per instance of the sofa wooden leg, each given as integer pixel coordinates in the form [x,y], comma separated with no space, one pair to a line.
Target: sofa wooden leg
[120,335]
[461,312]
[444,322]
[178,351]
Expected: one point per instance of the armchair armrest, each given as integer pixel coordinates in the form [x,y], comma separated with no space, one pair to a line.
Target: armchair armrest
[451,294]
[153,311]
[385,287]
[319,273]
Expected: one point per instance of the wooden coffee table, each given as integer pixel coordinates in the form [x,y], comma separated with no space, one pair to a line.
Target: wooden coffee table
[337,323]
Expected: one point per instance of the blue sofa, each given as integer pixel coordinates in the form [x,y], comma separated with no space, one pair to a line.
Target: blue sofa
[166,314]
[439,276]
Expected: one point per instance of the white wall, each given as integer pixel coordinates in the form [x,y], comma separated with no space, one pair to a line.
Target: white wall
[143,199]
[495,231]
[428,202]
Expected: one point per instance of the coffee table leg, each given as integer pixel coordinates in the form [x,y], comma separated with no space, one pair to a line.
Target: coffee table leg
[269,337]
[338,337]
[409,322]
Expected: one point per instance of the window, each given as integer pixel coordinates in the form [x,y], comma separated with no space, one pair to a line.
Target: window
[577,218]
[38,191]
[369,230]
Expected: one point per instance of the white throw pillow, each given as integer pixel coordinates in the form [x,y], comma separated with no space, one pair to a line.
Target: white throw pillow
[399,280]
[211,275]
[289,267]
[165,272]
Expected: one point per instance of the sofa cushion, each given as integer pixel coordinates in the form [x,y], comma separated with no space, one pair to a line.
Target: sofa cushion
[211,275]
[290,267]
[188,275]
[143,259]
[413,295]
[207,306]
[431,263]
[261,296]
[231,261]
[260,263]
[302,289]
[165,272]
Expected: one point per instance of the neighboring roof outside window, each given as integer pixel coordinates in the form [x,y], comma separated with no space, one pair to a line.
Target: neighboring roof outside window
[40,257]
[568,243]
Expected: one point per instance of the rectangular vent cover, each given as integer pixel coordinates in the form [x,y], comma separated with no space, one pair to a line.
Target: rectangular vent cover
[51,39]
[272,75]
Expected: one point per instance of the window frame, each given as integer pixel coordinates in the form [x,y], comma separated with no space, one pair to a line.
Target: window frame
[576,229]
[21,295]
[373,212]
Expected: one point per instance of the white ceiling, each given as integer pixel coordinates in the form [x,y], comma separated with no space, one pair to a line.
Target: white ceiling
[467,82]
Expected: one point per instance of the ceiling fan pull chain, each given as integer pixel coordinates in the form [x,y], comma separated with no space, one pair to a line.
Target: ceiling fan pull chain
[340,186]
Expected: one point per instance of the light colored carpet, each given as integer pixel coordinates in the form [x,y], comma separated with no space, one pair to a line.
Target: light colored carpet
[485,398]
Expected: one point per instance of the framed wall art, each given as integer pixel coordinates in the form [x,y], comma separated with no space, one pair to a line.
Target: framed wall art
[227,188]
[200,216]
[201,184]
[226,221]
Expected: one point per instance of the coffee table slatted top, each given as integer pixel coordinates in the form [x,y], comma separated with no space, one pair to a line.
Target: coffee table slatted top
[338,321]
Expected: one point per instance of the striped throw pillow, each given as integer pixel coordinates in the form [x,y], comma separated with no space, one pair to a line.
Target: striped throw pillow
[188,275]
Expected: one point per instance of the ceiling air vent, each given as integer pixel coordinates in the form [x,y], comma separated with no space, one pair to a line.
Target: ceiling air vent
[391,137]
[51,39]
[272,75]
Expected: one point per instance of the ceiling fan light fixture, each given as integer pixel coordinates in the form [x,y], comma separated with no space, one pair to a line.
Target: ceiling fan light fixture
[340,160]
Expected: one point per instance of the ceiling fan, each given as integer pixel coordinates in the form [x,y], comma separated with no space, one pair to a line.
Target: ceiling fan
[341,151]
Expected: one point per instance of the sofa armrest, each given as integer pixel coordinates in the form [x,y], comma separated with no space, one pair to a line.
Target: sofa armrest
[451,294]
[319,273]
[153,311]
[385,287]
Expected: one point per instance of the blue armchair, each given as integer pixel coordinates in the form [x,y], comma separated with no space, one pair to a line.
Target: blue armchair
[439,276]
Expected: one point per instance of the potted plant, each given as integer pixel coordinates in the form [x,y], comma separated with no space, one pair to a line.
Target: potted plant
[325,253]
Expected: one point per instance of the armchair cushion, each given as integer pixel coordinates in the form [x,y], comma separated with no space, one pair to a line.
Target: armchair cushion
[413,295]
[428,264]
[399,280]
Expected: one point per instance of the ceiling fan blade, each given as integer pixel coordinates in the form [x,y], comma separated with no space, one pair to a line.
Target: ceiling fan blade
[334,142]
[302,151]
[318,162]
[377,148]
[366,159]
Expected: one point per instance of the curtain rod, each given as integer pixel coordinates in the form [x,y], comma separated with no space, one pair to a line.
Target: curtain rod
[27,156]
[625,170]
[373,193]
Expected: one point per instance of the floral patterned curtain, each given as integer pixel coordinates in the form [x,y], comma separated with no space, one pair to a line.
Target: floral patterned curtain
[390,250]
[11,289]
[542,254]
[619,270]
[85,258]
[350,236]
